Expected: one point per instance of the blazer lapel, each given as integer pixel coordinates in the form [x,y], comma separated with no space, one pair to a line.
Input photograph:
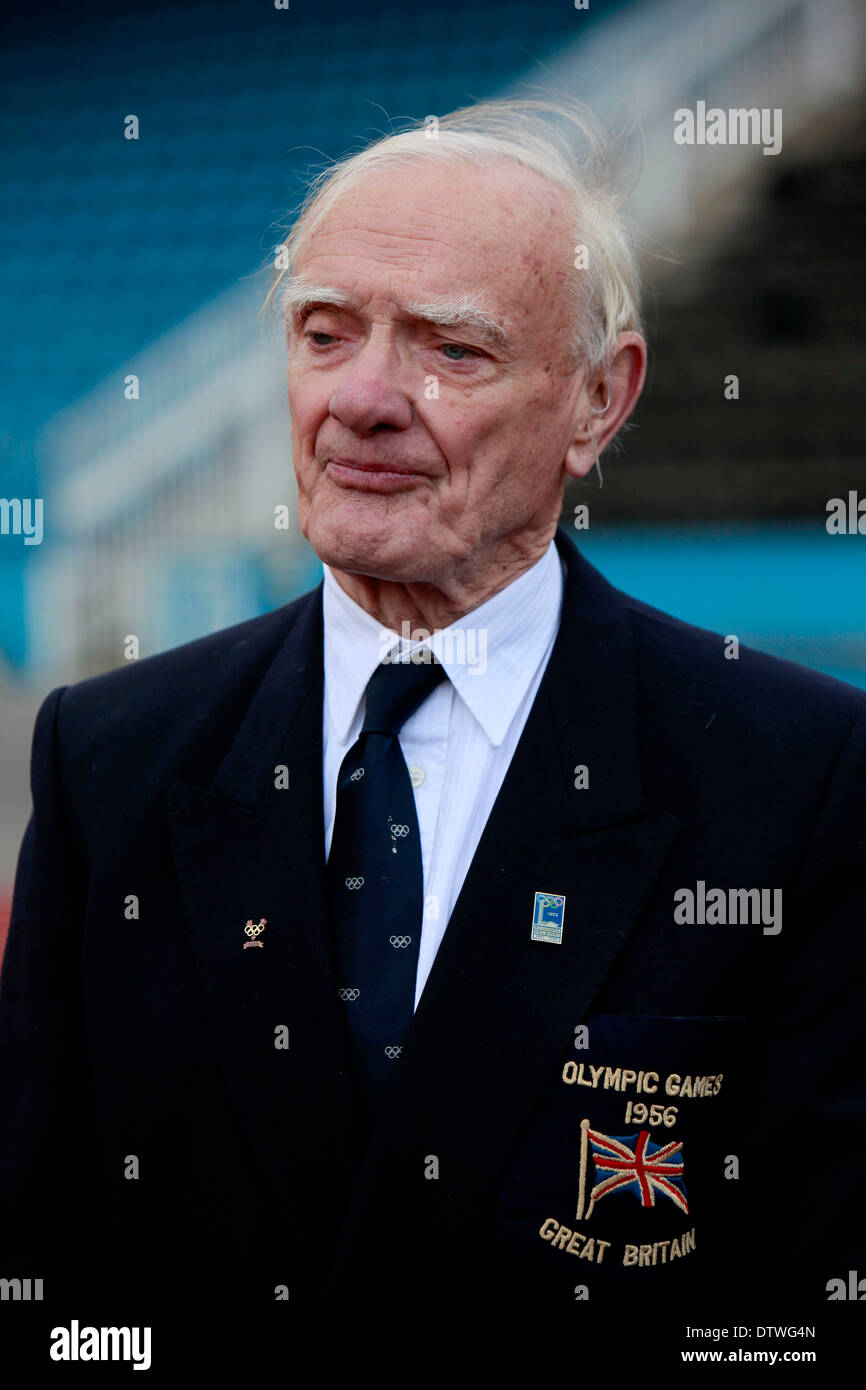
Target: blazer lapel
[245,849]
[498,1008]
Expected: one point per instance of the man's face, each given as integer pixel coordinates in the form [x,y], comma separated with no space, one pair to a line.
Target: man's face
[467,431]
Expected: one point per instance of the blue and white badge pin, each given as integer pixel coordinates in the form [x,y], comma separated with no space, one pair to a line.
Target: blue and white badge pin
[547,914]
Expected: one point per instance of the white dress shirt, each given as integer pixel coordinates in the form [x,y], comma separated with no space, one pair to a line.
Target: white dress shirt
[458,745]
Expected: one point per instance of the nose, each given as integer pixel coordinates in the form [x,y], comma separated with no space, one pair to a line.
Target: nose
[369,394]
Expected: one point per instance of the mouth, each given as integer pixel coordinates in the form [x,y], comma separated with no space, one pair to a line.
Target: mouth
[370,477]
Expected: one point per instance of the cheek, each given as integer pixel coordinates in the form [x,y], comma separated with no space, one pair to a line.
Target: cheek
[308,405]
[507,428]
[525,440]
[461,429]
[542,418]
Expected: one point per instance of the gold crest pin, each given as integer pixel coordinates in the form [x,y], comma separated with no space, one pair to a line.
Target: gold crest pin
[252,930]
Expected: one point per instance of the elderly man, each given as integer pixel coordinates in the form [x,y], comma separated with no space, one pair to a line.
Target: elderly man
[465,928]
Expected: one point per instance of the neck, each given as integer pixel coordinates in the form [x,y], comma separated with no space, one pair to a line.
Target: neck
[429,606]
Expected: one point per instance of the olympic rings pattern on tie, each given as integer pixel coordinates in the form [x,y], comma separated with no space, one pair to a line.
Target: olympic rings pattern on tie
[357,775]
[356,882]
[399,831]
[349,993]
[393,1052]
[400,941]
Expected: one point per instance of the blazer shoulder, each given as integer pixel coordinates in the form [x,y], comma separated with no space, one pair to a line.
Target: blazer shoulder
[709,703]
[675,650]
[673,656]
[194,691]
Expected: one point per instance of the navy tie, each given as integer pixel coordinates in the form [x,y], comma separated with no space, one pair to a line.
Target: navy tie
[375,876]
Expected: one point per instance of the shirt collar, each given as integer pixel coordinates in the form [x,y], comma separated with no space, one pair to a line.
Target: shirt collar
[490,655]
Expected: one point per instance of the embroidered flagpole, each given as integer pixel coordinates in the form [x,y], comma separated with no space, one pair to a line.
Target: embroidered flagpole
[581,1190]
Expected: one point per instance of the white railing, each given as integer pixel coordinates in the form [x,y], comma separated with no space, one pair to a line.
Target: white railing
[184,479]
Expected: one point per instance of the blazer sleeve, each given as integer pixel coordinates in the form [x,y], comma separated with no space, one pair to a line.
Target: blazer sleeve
[807,1143]
[51,1206]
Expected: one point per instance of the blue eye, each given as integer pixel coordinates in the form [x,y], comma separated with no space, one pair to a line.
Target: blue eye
[311,334]
[456,347]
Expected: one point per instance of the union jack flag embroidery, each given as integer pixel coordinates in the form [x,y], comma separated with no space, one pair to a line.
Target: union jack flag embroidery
[630,1163]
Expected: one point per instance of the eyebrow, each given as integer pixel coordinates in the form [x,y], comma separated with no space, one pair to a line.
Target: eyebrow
[301,296]
[465,312]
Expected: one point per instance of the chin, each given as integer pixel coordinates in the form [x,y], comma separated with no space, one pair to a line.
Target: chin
[363,545]
[382,555]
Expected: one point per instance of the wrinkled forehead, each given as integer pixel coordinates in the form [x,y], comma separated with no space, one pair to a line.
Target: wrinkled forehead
[499,229]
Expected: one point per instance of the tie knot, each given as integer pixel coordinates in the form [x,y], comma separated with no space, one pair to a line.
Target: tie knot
[394,692]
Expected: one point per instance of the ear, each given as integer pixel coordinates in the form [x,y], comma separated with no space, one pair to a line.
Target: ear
[606,401]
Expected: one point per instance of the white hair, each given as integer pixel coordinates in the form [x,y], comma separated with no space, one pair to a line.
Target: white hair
[560,140]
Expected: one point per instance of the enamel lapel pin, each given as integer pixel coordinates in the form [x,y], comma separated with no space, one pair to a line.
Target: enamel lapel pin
[547,914]
[252,930]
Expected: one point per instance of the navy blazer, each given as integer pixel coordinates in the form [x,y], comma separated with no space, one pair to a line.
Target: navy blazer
[649,1107]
